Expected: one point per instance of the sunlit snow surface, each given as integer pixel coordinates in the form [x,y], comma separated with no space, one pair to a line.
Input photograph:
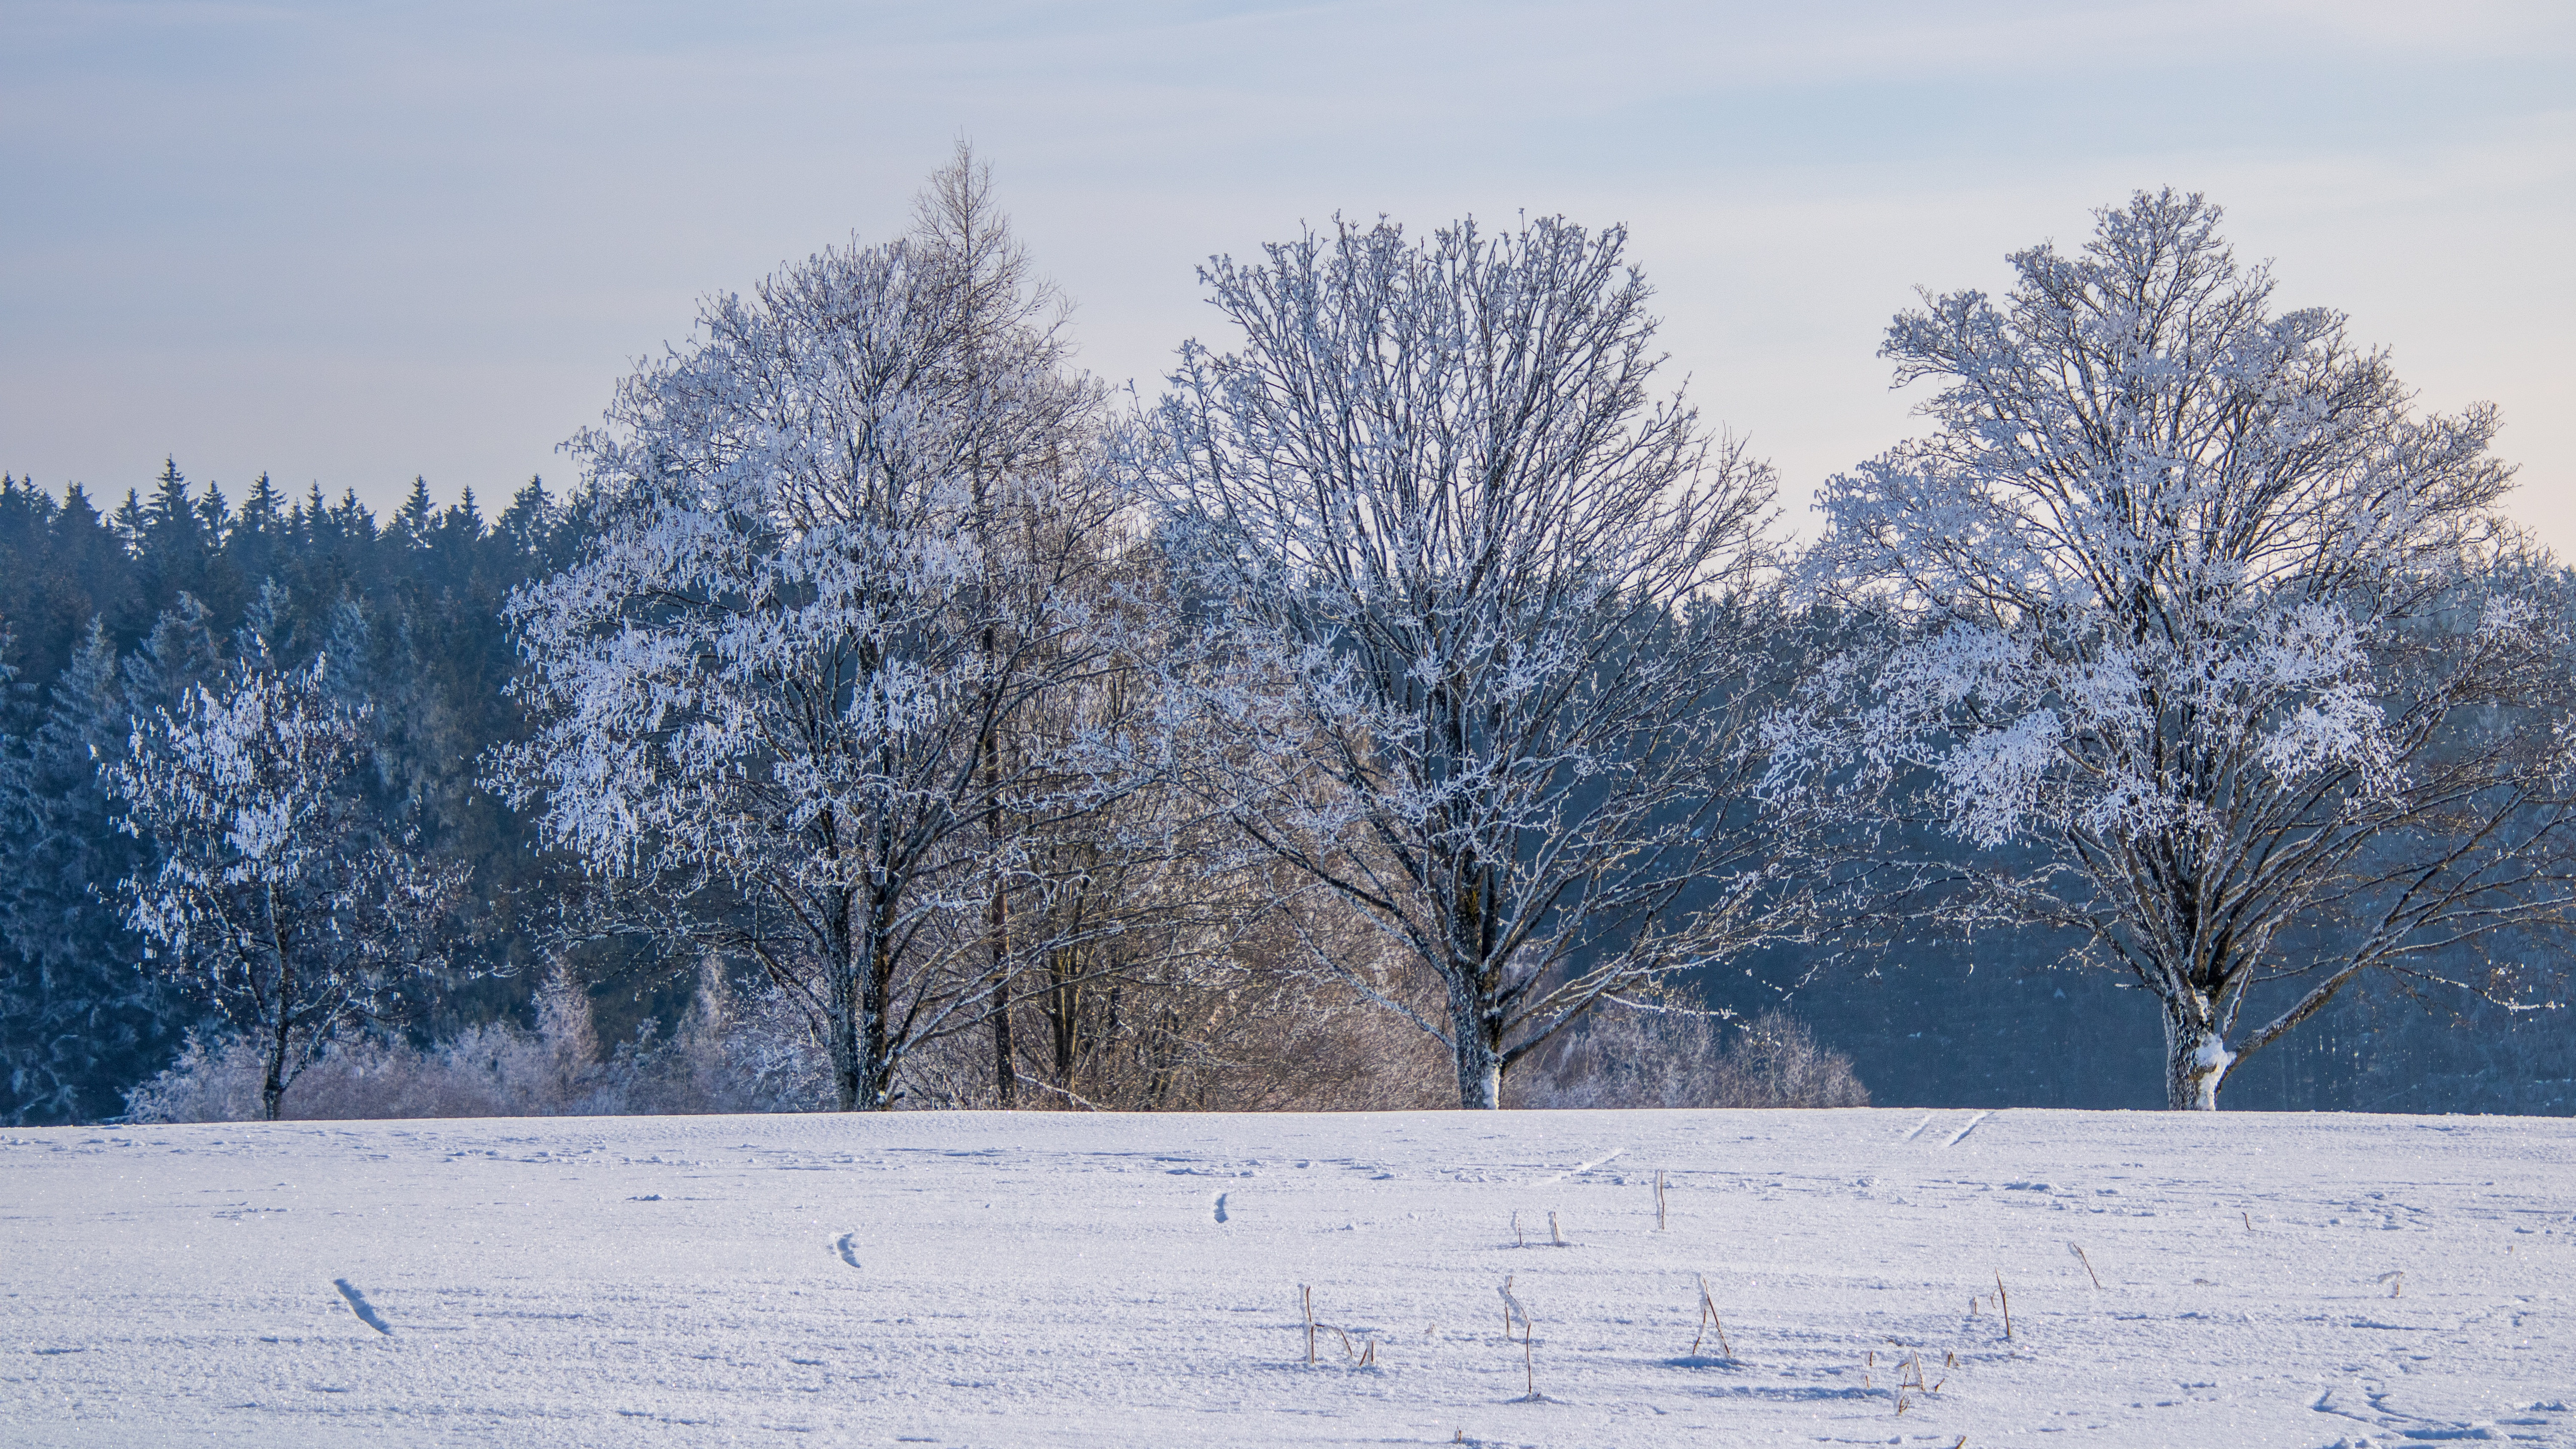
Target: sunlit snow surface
[989,1279]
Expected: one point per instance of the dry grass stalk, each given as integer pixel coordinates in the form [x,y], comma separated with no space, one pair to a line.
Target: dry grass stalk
[2088,1266]
[1517,1240]
[2003,1304]
[1553,1235]
[1659,1199]
[1363,1359]
[1512,1309]
[1708,1319]
[2249,1219]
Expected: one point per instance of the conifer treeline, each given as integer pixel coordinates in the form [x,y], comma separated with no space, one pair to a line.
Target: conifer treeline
[107,616]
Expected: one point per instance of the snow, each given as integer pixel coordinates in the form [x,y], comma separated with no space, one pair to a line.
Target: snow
[1062,1279]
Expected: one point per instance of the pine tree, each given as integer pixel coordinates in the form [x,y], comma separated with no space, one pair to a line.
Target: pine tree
[180,652]
[78,1021]
[414,520]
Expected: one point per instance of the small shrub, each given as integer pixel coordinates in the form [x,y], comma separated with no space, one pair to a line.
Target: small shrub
[1624,1056]
[728,1055]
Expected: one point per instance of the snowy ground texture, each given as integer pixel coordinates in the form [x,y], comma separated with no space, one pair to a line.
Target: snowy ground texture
[995,1279]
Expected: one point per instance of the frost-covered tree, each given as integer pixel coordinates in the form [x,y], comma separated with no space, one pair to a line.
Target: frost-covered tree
[280,897]
[848,540]
[2187,592]
[1478,617]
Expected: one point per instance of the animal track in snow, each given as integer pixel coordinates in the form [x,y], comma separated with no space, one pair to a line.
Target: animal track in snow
[2418,1428]
[849,1254]
[366,1312]
[1220,1208]
[1962,1134]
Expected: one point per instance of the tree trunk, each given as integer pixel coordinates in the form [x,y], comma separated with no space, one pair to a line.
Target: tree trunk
[1475,1020]
[859,1027]
[1006,1082]
[272,1086]
[844,1027]
[1006,1078]
[1479,1053]
[2196,1061]
[874,1081]
[1480,1077]
[1062,1005]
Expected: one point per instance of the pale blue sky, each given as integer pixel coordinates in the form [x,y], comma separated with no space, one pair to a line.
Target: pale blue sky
[352,242]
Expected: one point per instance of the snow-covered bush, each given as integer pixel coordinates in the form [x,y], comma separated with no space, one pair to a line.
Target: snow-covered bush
[1227,1014]
[1651,1056]
[727,1055]
[1775,1061]
[1242,1038]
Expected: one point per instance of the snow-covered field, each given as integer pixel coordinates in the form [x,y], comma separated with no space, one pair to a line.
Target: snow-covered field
[996,1279]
